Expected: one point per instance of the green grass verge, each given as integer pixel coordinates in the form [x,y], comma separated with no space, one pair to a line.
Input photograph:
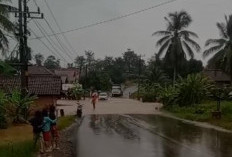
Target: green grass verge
[18,149]
[24,148]
[64,122]
[202,113]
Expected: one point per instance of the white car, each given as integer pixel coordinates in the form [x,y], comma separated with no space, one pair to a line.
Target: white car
[103,96]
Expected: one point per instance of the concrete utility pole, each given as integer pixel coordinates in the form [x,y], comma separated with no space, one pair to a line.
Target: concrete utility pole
[23,13]
[140,60]
[139,81]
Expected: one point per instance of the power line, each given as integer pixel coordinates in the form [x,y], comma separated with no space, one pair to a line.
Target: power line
[110,20]
[63,47]
[65,38]
[57,38]
[40,29]
[44,31]
[45,44]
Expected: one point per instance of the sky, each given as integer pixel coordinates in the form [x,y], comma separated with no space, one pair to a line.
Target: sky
[114,38]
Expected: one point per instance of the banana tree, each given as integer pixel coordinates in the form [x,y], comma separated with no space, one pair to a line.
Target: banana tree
[18,106]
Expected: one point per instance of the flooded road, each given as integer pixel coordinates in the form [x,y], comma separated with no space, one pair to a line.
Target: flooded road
[148,136]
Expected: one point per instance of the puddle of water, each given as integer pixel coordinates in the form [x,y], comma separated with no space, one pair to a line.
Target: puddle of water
[150,136]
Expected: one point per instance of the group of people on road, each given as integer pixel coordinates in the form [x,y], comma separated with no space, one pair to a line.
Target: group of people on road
[45,129]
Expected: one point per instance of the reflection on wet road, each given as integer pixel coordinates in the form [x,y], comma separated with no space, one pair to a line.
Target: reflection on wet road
[148,136]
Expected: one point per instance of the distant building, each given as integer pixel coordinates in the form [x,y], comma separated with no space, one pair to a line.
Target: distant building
[217,75]
[41,82]
[68,75]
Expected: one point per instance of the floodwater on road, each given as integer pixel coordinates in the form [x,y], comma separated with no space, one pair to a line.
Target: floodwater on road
[148,136]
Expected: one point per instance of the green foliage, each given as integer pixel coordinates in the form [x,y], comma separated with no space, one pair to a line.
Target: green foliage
[6,69]
[77,91]
[39,58]
[3,120]
[6,25]
[18,106]
[64,122]
[52,63]
[176,42]
[221,48]
[193,89]
[149,91]
[168,95]
[192,113]
[19,149]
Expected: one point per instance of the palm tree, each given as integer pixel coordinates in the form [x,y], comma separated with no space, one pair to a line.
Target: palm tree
[5,25]
[222,47]
[176,41]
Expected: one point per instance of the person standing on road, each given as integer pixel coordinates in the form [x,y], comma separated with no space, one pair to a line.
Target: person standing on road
[94,99]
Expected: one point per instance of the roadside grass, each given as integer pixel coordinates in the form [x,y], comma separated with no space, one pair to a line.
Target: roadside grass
[17,140]
[66,121]
[202,113]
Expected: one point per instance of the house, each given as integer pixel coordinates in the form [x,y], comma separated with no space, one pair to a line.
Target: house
[68,75]
[41,82]
[217,75]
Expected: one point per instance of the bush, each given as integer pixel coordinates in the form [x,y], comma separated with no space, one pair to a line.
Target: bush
[3,121]
[149,91]
[193,89]
[77,91]
[18,106]
[149,97]
[168,95]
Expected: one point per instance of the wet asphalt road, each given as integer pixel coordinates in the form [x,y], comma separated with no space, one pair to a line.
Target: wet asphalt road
[148,136]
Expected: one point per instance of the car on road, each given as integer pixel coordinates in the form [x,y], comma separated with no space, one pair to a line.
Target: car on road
[103,96]
[116,90]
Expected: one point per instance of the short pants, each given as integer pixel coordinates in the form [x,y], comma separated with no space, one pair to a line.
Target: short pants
[47,136]
[54,131]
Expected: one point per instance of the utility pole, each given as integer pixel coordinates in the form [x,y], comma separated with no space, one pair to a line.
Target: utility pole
[139,81]
[23,14]
[138,96]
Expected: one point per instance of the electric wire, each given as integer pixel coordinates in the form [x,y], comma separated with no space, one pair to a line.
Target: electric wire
[40,29]
[109,20]
[65,38]
[54,53]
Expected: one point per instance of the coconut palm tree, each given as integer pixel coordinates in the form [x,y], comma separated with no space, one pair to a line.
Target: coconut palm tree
[176,42]
[5,25]
[222,47]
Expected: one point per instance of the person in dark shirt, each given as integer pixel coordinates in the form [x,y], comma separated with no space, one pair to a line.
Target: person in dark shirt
[54,131]
[37,124]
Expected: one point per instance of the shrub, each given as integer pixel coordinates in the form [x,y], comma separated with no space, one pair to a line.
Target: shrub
[77,91]
[3,121]
[18,106]
[193,89]
[149,91]
[168,95]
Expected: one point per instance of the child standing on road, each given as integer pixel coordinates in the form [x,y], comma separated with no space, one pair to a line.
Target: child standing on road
[37,124]
[54,131]
[47,130]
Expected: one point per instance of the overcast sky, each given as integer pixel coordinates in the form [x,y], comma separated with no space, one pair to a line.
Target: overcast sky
[134,32]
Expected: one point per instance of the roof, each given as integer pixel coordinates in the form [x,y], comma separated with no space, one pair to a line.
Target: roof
[39,85]
[39,70]
[72,74]
[41,81]
[217,75]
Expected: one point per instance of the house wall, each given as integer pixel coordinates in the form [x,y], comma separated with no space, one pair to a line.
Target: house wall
[45,101]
